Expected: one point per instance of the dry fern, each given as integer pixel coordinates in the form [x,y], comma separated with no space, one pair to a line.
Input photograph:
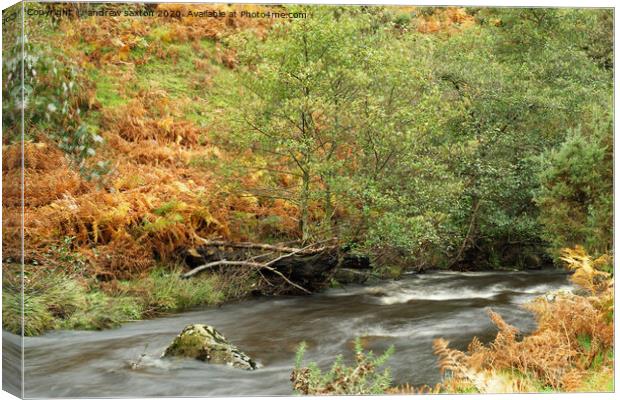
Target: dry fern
[572,331]
[587,273]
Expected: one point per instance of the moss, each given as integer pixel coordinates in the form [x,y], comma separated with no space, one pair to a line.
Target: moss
[389,271]
[188,345]
[334,284]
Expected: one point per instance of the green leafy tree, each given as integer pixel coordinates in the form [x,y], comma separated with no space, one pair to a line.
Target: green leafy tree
[576,193]
[521,81]
[301,89]
[426,144]
[405,190]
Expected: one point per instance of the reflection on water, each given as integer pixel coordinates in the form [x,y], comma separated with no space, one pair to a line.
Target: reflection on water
[408,314]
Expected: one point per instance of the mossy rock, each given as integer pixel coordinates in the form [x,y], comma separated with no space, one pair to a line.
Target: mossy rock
[205,343]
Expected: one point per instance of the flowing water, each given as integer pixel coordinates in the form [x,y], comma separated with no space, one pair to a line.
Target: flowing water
[408,314]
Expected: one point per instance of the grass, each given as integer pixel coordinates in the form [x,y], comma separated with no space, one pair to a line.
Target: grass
[47,297]
[56,300]
[181,79]
[107,89]
[601,380]
[176,75]
[164,291]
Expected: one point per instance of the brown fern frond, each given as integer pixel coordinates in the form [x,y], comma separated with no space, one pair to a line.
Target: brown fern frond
[449,359]
[572,380]
[587,271]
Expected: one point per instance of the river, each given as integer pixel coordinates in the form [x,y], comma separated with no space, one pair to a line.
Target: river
[408,313]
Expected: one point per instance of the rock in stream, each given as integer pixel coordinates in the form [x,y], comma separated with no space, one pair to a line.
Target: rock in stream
[205,343]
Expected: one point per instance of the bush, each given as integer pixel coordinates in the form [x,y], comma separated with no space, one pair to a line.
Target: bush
[576,195]
[52,98]
[363,378]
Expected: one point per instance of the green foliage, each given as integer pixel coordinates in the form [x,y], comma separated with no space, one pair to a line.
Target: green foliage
[299,100]
[164,291]
[576,193]
[429,144]
[57,300]
[362,378]
[515,86]
[47,298]
[49,99]
[64,253]
[341,92]
[48,89]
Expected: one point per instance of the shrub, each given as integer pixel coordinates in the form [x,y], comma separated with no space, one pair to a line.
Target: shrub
[362,378]
[53,98]
[576,193]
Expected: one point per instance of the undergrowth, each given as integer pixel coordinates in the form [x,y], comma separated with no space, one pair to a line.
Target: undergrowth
[364,377]
[57,300]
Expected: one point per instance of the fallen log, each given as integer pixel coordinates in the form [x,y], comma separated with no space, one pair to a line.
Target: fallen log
[270,265]
[304,269]
[241,264]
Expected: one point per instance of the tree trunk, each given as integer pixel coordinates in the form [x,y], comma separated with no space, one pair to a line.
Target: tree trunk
[470,231]
[304,204]
[329,207]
